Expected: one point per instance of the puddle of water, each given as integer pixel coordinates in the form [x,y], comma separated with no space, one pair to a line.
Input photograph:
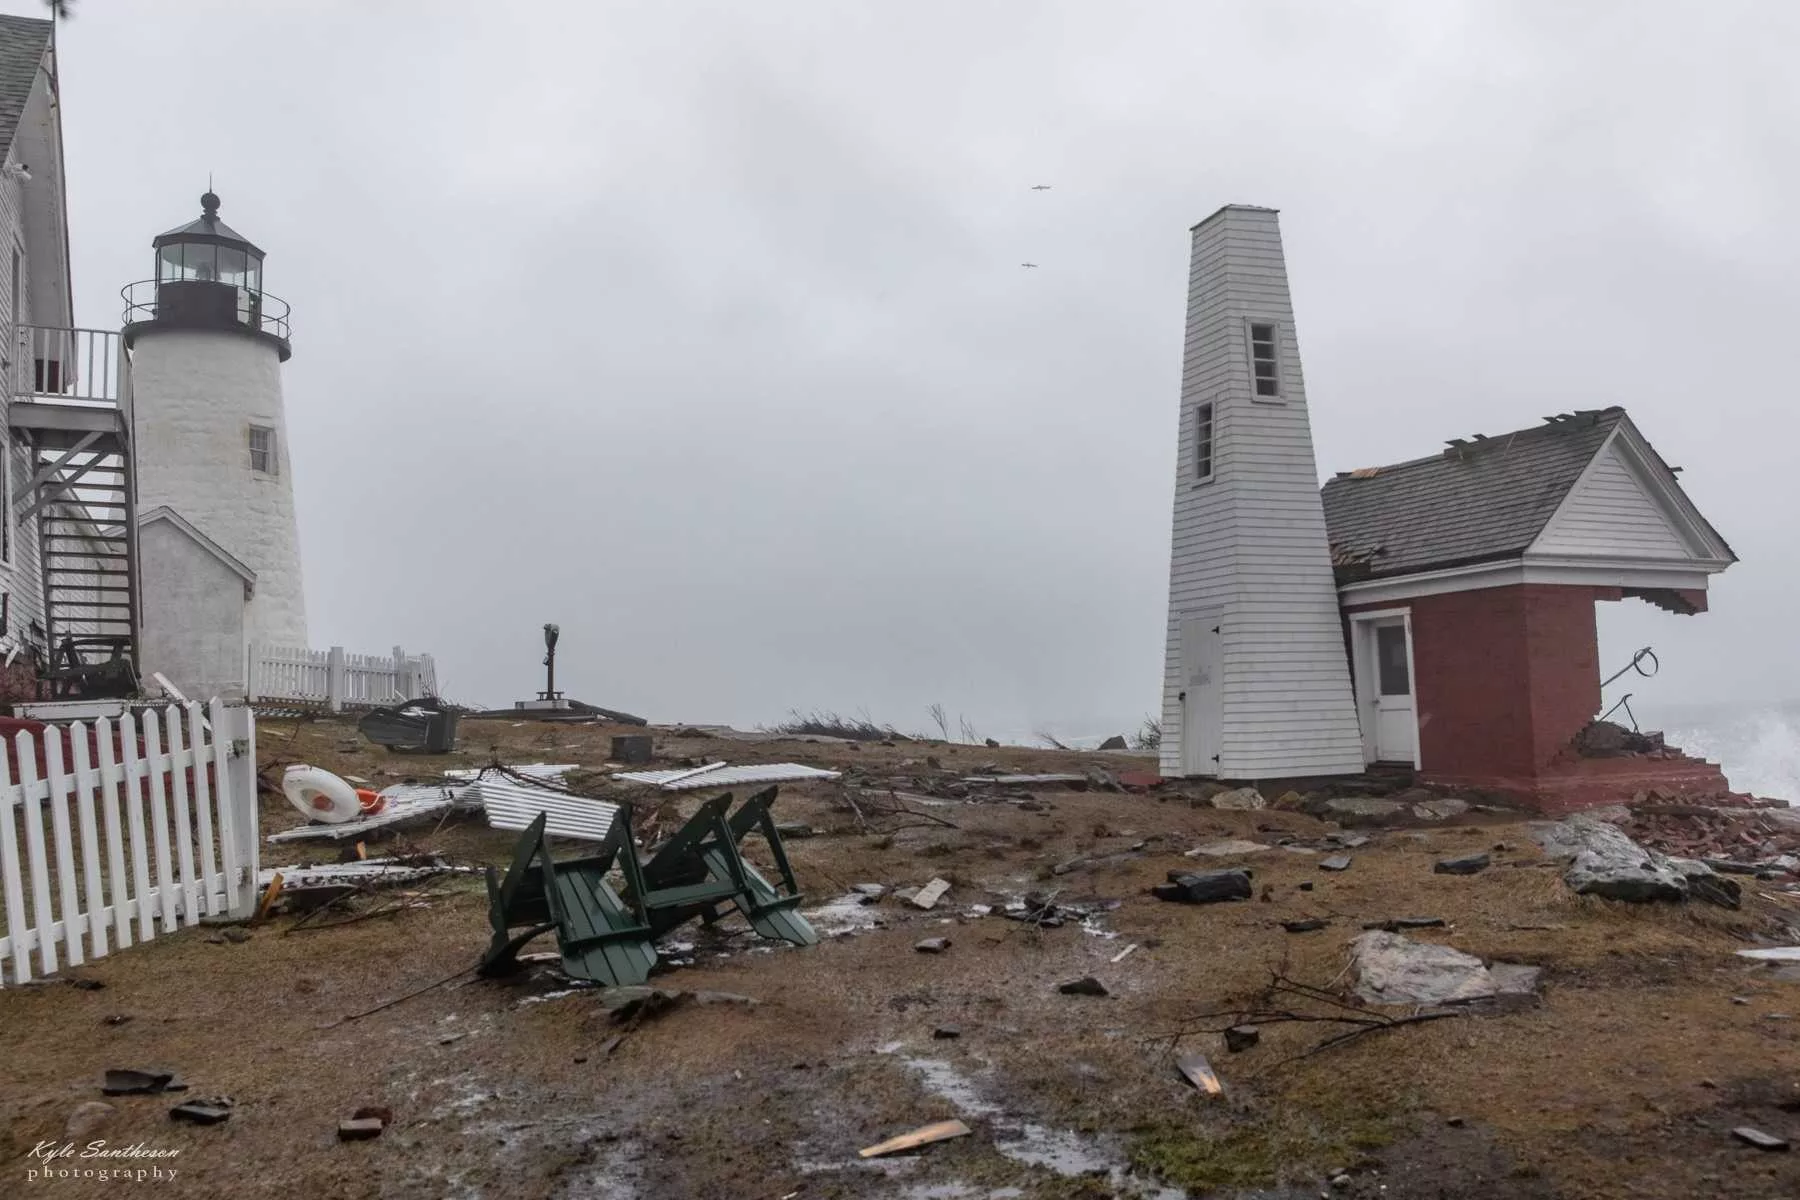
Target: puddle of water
[846,914]
[1061,1151]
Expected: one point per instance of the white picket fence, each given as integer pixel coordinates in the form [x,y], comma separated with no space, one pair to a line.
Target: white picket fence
[336,679]
[163,831]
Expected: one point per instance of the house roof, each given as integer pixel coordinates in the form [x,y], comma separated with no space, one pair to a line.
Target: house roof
[1482,499]
[23,41]
[163,512]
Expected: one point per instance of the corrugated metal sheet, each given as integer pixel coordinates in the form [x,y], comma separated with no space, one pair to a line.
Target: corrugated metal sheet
[720,775]
[405,802]
[511,804]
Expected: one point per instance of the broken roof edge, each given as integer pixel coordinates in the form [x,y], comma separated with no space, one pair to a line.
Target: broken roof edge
[163,512]
[1480,444]
[1663,478]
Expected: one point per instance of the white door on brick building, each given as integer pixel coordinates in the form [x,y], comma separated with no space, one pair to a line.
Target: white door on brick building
[1382,645]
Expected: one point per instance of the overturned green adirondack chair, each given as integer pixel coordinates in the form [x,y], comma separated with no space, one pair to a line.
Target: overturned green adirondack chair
[607,936]
[700,869]
[602,938]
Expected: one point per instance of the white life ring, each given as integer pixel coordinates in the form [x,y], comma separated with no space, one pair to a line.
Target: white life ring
[321,795]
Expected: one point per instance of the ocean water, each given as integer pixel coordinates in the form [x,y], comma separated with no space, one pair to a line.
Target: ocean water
[1758,745]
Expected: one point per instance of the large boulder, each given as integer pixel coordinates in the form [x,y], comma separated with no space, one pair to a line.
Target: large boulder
[1391,969]
[1240,798]
[1607,863]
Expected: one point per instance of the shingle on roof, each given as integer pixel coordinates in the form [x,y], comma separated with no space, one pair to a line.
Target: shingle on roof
[1487,500]
[22,44]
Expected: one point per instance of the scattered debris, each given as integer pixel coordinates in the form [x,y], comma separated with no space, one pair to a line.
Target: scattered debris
[1199,1072]
[400,804]
[214,1110]
[1310,925]
[1759,1139]
[1120,956]
[1396,924]
[1773,954]
[1115,742]
[359,1129]
[1239,1038]
[1468,864]
[632,749]
[945,1032]
[932,945]
[1227,849]
[1087,985]
[1440,810]
[1337,862]
[872,891]
[424,726]
[127,1081]
[1205,887]
[928,896]
[1320,1005]
[938,1132]
[718,774]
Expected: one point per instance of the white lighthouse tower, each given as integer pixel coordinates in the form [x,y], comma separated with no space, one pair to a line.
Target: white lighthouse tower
[214,482]
[1256,682]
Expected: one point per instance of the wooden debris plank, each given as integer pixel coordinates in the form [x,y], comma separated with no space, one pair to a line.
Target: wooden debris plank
[940,1131]
[1199,1072]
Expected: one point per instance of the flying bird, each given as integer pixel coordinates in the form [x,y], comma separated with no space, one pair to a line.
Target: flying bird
[1031,265]
[1041,187]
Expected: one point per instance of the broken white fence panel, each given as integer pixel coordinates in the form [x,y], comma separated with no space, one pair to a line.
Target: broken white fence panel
[720,775]
[109,871]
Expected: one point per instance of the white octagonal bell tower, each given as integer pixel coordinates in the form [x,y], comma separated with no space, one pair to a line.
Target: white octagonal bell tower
[210,439]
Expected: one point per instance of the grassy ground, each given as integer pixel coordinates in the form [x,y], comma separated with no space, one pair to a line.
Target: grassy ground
[1625,1079]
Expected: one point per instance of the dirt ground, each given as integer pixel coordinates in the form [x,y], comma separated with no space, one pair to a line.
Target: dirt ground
[1648,1044]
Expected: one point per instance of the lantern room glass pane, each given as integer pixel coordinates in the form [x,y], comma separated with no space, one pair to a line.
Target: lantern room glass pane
[253,273]
[200,261]
[231,266]
[168,263]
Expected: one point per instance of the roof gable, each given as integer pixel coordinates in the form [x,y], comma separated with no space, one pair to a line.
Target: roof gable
[1628,504]
[1476,502]
[163,513]
[23,41]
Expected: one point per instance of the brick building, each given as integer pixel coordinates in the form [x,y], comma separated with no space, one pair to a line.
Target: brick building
[1468,582]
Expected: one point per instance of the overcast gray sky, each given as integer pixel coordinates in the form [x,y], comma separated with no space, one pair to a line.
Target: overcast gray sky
[699,328]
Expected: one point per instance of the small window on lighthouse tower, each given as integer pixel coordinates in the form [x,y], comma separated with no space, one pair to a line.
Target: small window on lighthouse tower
[262,449]
[1264,360]
[1203,443]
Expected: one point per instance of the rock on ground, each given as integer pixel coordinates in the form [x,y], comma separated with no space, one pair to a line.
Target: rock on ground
[1392,969]
[1241,798]
[1352,810]
[1609,864]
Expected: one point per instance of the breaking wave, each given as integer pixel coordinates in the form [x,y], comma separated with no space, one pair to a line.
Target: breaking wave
[1758,745]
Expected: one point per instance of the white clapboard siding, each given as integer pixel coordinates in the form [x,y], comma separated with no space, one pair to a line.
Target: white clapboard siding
[1611,513]
[1251,543]
[83,873]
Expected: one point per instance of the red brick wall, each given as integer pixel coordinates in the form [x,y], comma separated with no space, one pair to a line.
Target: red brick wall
[1503,677]
[1565,665]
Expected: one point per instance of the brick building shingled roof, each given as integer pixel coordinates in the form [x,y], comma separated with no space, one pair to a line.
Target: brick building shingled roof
[1483,501]
[23,41]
